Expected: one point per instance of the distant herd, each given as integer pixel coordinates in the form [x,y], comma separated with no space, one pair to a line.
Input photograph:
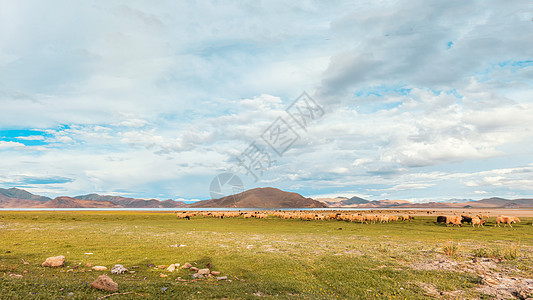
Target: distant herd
[454,220]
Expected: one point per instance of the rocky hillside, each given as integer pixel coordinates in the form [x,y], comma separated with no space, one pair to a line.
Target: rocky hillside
[262,198]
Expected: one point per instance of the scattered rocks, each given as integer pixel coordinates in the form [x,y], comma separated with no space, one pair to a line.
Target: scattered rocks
[194,269]
[163,275]
[16,276]
[104,282]
[215,273]
[204,271]
[186,266]
[171,268]
[88,265]
[222,278]
[99,268]
[161,267]
[55,261]
[118,269]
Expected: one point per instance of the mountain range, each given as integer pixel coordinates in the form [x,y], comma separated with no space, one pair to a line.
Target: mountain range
[255,198]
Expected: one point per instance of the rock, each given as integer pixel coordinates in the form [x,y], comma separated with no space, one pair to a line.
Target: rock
[99,268]
[186,266]
[56,261]
[161,267]
[171,268]
[163,275]
[16,276]
[216,273]
[222,278]
[490,281]
[203,271]
[150,265]
[118,269]
[70,294]
[104,282]
[131,272]
[196,275]
[88,265]
[194,269]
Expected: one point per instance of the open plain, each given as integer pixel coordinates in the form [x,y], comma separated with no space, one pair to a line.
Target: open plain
[263,258]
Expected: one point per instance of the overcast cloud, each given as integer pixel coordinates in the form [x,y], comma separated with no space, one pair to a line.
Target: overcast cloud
[423,99]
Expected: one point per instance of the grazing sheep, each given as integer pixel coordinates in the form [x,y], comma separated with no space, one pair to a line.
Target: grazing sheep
[454,220]
[441,219]
[383,218]
[466,219]
[506,220]
[477,221]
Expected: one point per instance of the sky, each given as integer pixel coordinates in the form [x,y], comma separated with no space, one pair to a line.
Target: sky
[416,100]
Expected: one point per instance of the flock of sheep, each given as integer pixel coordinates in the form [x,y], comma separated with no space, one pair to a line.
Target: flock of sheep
[478,220]
[300,215]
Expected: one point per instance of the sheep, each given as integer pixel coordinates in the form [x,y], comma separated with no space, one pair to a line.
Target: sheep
[506,220]
[454,220]
[477,221]
[383,218]
[466,219]
[407,218]
[441,219]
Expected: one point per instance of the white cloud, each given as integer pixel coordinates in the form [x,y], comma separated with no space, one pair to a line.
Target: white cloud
[421,99]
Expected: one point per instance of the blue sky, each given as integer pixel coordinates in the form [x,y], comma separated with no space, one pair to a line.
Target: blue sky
[422,100]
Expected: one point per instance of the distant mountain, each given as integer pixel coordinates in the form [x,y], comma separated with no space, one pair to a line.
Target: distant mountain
[132,202]
[18,198]
[68,202]
[15,193]
[343,201]
[262,198]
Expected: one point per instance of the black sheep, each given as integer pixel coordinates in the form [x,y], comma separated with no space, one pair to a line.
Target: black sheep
[441,219]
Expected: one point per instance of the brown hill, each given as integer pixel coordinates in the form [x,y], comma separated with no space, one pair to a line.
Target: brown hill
[68,202]
[262,198]
[132,202]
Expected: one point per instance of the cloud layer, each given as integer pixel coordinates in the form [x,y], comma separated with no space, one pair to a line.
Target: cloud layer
[422,100]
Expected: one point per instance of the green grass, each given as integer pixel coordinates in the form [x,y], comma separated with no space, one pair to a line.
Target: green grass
[285,259]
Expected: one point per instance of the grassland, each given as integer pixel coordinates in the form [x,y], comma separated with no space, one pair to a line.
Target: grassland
[270,258]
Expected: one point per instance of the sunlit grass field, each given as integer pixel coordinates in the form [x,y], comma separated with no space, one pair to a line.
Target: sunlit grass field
[272,258]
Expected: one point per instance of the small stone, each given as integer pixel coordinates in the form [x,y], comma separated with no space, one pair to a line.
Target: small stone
[196,275]
[194,269]
[161,267]
[222,278]
[490,281]
[203,271]
[216,273]
[164,289]
[70,294]
[104,282]
[131,272]
[55,261]
[134,267]
[99,268]
[118,269]
[163,275]
[88,265]
[16,276]
[186,266]
[150,265]
[171,268]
